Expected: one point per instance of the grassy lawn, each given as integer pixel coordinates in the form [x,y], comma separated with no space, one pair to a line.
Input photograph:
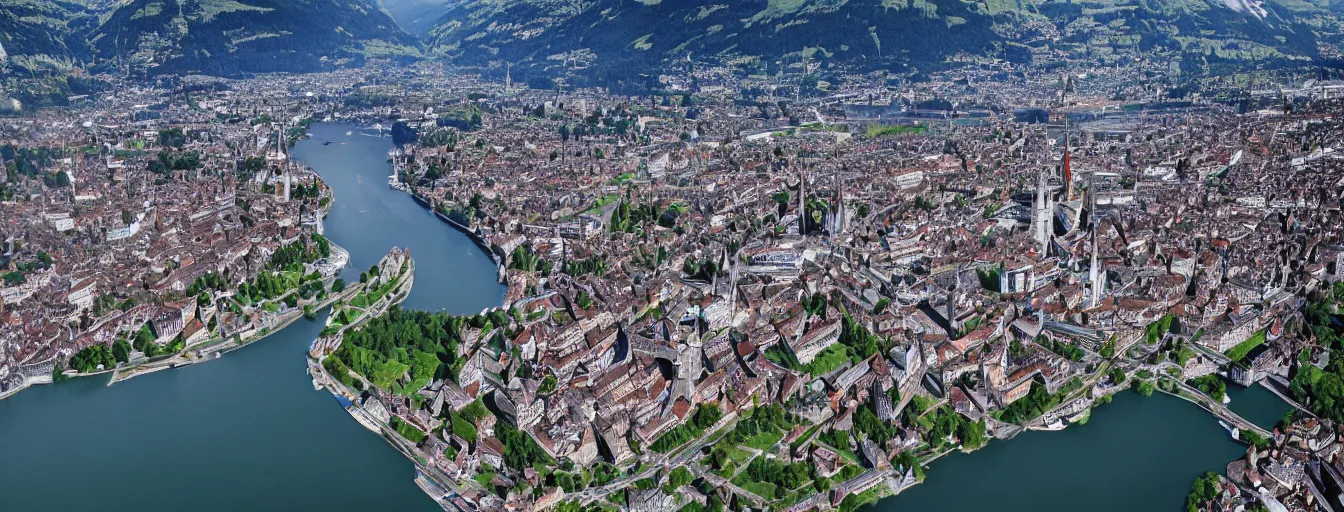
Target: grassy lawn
[291,278]
[847,472]
[414,386]
[739,456]
[848,454]
[484,479]
[1240,351]
[763,489]
[763,440]
[844,452]
[602,201]
[855,501]
[828,360]
[406,430]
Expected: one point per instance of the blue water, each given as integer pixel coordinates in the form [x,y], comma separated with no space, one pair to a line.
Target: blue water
[246,431]
[1135,453]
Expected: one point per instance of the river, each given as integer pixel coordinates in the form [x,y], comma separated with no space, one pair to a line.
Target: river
[246,431]
[1134,453]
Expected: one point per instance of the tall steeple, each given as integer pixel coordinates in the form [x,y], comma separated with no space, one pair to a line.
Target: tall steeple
[1068,165]
[1044,211]
[1096,278]
[280,142]
[839,223]
[802,200]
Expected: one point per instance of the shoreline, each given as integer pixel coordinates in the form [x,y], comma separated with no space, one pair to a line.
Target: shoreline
[179,360]
[475,237]
[323,381]
[394,181]
[1082,416]
[222,345]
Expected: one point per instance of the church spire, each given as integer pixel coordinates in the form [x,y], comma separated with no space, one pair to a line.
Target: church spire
[1044,210]
[802,200]
[1095,277]
[1068,165]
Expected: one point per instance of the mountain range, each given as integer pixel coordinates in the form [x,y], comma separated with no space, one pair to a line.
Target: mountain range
[46,46]
[623,37]
[226,37]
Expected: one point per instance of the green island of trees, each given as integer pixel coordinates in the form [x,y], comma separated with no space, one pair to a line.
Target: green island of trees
[390,345]
[1204,490]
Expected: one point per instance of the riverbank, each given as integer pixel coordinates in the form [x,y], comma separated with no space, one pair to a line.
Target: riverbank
[1073,418]
[329,270]
[329,341]
[287,445]
[274,323]
[219,346]
[485,245]
[1136,453]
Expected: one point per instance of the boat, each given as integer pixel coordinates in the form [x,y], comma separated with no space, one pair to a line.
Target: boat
[1236,434]
[327,143]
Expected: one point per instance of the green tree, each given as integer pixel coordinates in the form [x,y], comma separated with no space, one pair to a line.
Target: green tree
[1144,388]
[677,478]
[121,350]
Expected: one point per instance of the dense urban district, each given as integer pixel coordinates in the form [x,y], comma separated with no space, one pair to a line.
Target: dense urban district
[743,292]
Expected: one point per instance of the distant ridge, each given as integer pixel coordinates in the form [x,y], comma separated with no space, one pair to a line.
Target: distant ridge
[621,39]
[49,47]
[230,37]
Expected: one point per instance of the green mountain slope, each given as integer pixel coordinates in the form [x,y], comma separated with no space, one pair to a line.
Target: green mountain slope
[621,38]
[41,57]
[1215,29]
[34,34]
[230,37]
